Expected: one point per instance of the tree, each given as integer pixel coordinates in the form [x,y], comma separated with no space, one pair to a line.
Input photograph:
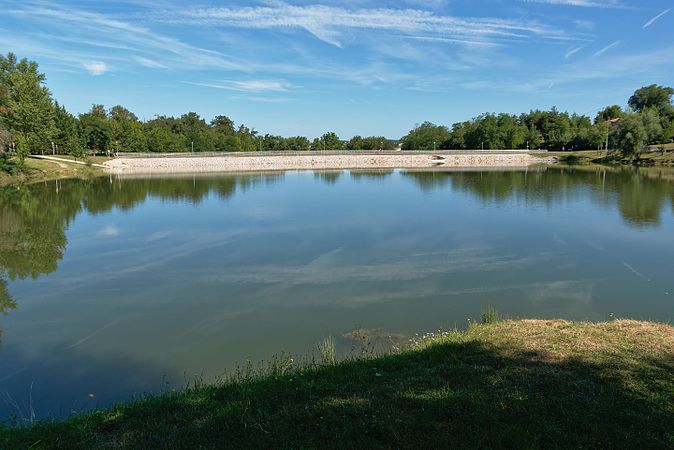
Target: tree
[248,139]
[224,125]
[96,130]
[534,138]
[196,132]
[6,139]
[160,139]
[121,114]
[27,108]
[652,125]
[426,136]
[652,96]
[355,143]
[127,131]
[608,113]
[98,111]
[22,149]
[298,143]
[66,135]
[329,141]
[631,136]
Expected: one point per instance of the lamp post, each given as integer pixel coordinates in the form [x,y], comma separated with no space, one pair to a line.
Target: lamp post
[608,129]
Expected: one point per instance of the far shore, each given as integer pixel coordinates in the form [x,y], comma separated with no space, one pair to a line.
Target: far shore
[265,162]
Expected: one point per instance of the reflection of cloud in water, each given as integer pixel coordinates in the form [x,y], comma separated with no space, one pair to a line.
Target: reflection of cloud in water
[109,231]
[557,239]
[158,235]
[145,258]
[333,267]
[594,245]
[636,272]
[262,212]
[570,292]
[90,335]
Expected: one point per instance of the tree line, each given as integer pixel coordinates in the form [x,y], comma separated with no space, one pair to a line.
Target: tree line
[647,120]
[31,121]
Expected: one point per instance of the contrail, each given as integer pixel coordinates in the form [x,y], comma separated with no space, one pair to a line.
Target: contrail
[636,272]
[86,338]
[650,22]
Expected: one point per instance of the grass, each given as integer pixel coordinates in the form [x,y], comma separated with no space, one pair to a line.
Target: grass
[516,384]
[594,156]
[43,170]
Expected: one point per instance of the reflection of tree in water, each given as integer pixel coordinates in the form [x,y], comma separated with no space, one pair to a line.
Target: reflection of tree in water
[327,176]
[106,193]
[639,194]
[370,174]
[34,219]
[6,302]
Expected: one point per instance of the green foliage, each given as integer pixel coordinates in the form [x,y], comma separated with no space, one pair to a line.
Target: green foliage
[66,136]
[426,136]
[8,164]
[329,141]
[608,113]
[95,131]
[370,143]
[631,135]
[6,139]
[160,138]
[22,149]
[652,96]
[489,315]
[223,125]
[26,107]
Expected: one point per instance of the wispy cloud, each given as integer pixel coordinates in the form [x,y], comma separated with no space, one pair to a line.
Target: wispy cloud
[605,49]
[150,63]
[586,25]
[572,52]
[246,86]
[650,22]
[328,23]
[95,67]
[633,65]
[581,3]
[150,48]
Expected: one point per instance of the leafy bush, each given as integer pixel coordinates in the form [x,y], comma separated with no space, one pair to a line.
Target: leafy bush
[8,164]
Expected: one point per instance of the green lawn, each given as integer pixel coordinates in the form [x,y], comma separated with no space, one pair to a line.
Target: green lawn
[514,384]
[43,170]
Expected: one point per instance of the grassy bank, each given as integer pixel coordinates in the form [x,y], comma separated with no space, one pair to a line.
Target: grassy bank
[43,170]
[596,157]
[518,384]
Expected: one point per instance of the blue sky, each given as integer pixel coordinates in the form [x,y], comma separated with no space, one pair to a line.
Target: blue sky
[354,67]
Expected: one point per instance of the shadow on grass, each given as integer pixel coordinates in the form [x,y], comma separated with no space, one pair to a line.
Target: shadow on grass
[458,394]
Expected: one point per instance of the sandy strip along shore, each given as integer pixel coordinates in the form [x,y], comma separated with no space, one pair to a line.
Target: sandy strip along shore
[168,164]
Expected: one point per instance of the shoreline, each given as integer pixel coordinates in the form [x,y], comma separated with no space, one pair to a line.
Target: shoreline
[555,383]
[168,164]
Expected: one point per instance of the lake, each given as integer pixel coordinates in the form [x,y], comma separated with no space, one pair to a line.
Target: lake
[114,287]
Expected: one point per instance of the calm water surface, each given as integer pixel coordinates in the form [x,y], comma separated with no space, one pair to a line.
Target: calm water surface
[118,286]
